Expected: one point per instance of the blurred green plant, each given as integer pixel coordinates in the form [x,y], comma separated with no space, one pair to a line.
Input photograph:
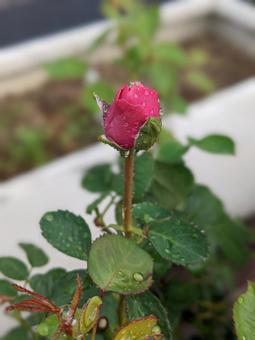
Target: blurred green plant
[163,65]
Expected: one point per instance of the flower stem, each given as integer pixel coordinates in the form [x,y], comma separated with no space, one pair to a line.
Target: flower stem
[128,191]
[94,332]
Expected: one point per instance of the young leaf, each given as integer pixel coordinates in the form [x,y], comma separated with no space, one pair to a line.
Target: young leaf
[179,240]
[148,304]
[35,255]
[13,268]
[67,232]
[48,327]
[90,314]
[244,314]
[6,288]
[139,329]
[67,68]
[98,178]
[215,144]
[171,151]
[115,263]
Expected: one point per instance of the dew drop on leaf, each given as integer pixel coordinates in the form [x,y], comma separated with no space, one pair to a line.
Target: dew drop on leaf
[49,217]
[138,277]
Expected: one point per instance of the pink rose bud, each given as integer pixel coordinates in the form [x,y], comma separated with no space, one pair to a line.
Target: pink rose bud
[133,106]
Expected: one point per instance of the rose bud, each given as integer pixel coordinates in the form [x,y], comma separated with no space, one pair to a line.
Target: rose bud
[133,118]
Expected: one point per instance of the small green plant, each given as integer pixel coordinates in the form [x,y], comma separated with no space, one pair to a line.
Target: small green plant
[167,250]
[162,64]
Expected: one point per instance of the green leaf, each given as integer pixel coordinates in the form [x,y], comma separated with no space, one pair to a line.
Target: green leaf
[179,240]
[7,289]
[148,304]
[35,255]
[65,287]
[105,90]
[198,57]
[140,329]
[207,210]
[203,206]
[215,144]
[171,151]
[92,206]
[244,314]
[18,333]
[201,81]
[110,311]
[171,53]
[68,68]
[44,283]
[172,184]
[144,169]
[163,78]
[233,238]
[48,327]
[98,178]
[146,212]
[180,296]
[178,104]
[114,263]
[90,314]
[13,268]
[67,232]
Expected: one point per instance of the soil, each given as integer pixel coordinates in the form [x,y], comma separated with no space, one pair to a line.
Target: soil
[51,121]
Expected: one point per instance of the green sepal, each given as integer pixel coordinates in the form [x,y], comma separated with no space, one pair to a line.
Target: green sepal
[148,134]
[105,140]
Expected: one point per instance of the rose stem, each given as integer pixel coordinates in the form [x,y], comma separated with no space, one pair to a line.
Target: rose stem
[128,191]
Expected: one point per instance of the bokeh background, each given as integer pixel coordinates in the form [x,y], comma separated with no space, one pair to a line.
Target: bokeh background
[199,54]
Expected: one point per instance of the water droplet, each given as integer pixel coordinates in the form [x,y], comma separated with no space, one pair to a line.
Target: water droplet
[49,217]
[138,277]
[143,104]
[240,300]
[156,330]
[102,323]
[146,93]
[167,251]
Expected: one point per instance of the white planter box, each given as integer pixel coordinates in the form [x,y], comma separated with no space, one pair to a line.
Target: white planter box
[24,199]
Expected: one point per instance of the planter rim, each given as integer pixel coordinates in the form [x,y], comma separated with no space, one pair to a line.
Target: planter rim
[31,54]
